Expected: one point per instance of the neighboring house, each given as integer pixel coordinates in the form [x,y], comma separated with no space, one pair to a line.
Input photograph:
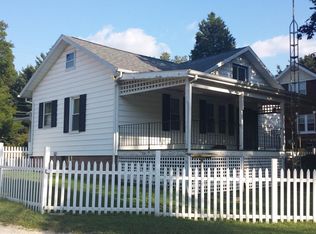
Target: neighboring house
[90,100]
[306,120]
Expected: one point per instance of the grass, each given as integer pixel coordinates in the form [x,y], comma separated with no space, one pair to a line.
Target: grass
[16,214]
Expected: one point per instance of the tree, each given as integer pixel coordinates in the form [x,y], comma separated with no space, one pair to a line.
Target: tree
[309,61]
[165,56]
[278,70]
[212,38]
[7,70]
[9,130]
[309,28]
[177,59]
[180,59]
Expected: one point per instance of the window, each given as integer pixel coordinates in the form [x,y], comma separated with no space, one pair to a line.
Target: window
[47,116]
[306,123]
[170,113]
[311,123]
[301,123]
[298,87]
[75,113]
[70,60]
[240,72]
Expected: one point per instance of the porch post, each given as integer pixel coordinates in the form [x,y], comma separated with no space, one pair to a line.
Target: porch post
[188,113]
[282,127]
[241,121]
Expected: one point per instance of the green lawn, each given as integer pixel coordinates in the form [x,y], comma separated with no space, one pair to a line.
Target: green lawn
[13,213]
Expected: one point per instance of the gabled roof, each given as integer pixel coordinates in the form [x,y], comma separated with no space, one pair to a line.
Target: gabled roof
[125,60]
[118,59]
[206,63]
[301,67]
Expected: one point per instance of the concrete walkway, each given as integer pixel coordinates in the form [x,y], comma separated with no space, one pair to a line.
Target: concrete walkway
[11,229]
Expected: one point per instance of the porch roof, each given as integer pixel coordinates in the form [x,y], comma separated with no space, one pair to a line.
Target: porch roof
[144,81]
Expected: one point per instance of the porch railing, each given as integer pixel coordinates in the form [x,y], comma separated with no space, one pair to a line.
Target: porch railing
[154,135]
[149,136]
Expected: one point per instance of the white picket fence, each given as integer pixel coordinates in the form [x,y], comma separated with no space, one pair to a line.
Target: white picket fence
[219,193]
[13,153]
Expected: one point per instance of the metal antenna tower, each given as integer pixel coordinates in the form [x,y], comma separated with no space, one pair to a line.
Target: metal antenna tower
[294,76]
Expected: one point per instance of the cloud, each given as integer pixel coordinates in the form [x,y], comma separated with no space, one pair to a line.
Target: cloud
[192,26]
[280,45]
[133,39]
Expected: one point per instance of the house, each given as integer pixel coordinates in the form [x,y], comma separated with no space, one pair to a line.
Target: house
[306,118]
[90,100]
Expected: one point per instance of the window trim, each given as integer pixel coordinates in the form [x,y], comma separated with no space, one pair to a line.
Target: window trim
[305,117]
[74,60]
[238,66]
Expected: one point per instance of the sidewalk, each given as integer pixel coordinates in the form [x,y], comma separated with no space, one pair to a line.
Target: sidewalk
[11,229]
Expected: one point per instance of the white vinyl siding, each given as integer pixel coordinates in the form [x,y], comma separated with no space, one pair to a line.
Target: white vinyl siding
[92,78]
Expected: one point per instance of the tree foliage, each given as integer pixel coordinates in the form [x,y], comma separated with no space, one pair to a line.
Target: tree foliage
[9,129]
[309,28]
[309,61]
[177,59]
[212,38]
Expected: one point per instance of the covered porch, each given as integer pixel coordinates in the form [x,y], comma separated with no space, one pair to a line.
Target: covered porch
[194,111]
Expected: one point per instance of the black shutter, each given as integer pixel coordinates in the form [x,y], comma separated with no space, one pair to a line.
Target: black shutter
[40,115]
[175,114]
[210,122]
[66,115]
[202,121]
[166,112]
[222,119]
[82,112]
[231,120]
[54,114]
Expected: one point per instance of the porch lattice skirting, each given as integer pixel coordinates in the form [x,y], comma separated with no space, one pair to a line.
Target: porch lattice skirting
[179,158]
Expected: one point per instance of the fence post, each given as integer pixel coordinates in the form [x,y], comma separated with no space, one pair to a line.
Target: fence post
[1,164]
[1,154]
[44,179]
[157,182]
[274,189]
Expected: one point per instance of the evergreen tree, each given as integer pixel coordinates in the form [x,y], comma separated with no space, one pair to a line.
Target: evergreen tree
[9,130]
[212,38]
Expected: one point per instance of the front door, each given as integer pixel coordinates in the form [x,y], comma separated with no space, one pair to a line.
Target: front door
[250,129]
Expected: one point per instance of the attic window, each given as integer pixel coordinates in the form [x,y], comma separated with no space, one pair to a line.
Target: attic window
[240,72]
[70,60]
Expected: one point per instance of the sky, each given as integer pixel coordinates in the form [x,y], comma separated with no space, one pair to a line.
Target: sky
[152,27]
